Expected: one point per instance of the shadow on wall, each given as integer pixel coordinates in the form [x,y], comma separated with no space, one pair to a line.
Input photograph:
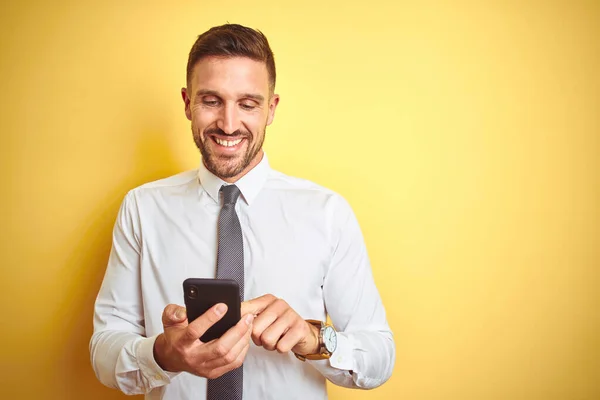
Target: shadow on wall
[92,244]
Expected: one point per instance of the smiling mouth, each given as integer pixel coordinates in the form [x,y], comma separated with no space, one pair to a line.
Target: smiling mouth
[227,143]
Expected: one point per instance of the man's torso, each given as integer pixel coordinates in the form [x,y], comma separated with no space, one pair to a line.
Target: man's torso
[287,248]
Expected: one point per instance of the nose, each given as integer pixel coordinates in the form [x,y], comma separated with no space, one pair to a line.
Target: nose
[229,120]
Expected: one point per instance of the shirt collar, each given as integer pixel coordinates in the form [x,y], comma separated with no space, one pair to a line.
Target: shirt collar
[249,184]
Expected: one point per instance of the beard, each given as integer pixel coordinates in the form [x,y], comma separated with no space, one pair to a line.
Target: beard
[226,167]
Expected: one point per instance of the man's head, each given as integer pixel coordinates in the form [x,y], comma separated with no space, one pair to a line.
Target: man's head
[230,98]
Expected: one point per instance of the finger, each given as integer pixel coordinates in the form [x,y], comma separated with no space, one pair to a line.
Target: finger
[262,322]
[279,328]
[290,339]
[217,372]
[222,346]
[173,315]
[233,353]
[267,317]
[257,305]
[197,327]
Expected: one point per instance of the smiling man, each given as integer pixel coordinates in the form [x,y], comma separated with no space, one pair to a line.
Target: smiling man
[295,249]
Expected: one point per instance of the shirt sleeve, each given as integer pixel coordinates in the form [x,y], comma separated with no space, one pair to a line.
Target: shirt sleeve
[121,354]
[365,353]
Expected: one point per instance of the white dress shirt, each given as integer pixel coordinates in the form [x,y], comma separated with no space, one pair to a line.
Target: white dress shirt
[302,243]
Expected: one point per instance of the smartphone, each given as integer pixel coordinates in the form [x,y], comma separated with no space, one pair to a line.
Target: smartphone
[201,294]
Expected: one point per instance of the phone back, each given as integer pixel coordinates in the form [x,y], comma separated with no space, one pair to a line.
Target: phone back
[201,294]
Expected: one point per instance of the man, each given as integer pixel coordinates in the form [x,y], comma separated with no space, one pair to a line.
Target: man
[301,255]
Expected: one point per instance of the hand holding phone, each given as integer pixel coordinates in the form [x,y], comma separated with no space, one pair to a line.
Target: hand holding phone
[178,348]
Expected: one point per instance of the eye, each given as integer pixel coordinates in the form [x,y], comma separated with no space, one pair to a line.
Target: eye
[248,106]
[210,102]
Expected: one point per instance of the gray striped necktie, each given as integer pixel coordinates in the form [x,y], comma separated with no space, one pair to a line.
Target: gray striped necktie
[230,265]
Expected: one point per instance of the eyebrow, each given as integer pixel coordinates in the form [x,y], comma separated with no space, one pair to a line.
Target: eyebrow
[206,92]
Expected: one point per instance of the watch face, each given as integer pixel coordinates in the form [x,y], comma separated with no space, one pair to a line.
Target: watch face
[330,339]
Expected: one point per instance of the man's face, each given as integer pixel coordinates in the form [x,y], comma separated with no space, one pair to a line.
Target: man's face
[230,106]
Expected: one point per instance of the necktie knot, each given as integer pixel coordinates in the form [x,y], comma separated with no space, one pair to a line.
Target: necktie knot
[230,194]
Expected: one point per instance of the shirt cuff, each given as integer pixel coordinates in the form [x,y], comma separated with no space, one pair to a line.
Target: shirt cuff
[151,371]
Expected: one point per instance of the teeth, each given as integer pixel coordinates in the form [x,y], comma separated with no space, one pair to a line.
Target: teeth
[227,143]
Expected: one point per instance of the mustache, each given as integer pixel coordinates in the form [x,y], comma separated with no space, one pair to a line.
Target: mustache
[234,135]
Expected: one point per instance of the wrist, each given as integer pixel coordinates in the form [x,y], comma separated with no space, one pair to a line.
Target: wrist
[315,344]
[159,350]
[325,338]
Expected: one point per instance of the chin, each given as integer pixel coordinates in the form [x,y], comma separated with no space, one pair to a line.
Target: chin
[227,169]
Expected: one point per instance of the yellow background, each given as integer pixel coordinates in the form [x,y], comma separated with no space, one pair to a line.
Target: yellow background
[465,135]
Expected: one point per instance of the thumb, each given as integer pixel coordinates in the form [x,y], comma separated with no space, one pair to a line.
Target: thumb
[173,315]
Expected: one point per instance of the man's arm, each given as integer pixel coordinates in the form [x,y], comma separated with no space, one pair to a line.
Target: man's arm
[365,353]
[121,355]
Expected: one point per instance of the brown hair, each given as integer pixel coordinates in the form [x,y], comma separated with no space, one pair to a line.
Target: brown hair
[233,40]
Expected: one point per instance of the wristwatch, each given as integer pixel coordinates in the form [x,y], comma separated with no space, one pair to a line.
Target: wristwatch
[327,342]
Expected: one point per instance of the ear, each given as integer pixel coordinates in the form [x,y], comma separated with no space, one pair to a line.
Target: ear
[273,102]
[186,102]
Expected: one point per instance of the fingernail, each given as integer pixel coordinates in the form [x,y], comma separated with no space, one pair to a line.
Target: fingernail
[221,308]
[180,313]
[248,319]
